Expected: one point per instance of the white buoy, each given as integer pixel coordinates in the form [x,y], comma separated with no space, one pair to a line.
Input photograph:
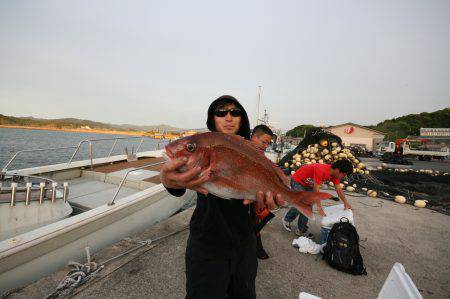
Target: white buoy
[420,203]
[400,199]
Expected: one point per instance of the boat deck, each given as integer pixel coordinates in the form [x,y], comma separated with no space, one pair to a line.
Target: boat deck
[389,233]
[121,166]
[97,187]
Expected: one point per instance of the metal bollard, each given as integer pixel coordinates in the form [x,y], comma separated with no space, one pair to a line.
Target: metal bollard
[54,184]
[66,191]
[41,193]
[27,195]
[13,193]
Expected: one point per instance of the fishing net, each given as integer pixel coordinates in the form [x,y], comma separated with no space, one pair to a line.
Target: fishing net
[434,188]
[322,147]
[312,136]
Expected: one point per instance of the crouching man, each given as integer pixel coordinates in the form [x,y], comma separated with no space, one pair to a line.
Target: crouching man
[310,178]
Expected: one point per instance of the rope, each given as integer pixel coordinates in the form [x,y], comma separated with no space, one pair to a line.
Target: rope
[82,273]
[78,275]
[143,243]
[10,292]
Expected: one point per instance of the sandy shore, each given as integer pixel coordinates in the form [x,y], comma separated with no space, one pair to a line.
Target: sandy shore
[132,133]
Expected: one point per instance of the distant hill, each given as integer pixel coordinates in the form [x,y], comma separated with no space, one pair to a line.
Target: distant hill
[299,131]
[410,124]
[74,123]
[399,127]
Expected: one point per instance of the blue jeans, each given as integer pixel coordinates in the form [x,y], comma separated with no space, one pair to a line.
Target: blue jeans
[293,212]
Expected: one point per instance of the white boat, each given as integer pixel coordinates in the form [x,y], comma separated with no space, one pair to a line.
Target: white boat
[49,214]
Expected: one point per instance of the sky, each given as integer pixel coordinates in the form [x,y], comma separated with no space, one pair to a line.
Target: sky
[164,62]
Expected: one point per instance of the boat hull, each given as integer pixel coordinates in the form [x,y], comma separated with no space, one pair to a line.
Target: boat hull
[37,253]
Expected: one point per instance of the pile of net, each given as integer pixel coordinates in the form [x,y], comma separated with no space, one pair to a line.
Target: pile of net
[321,147]
[433,187]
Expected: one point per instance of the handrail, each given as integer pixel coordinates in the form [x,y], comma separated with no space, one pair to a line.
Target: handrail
[103,139]
[33,150]
[125,177]
[4,169]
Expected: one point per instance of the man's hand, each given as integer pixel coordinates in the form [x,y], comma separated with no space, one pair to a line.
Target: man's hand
[172,178]
[347,206]
[267,200]
[341,195]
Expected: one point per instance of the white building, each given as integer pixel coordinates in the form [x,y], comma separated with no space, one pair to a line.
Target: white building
[353,134]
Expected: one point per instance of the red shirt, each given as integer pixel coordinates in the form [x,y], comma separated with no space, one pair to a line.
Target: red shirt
[309,174]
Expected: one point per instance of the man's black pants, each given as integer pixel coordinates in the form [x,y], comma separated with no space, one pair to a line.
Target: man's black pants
[226,278]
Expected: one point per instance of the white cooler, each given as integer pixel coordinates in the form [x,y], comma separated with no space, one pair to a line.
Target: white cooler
[334,214]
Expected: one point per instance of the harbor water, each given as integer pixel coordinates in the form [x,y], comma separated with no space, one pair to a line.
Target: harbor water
[14,140]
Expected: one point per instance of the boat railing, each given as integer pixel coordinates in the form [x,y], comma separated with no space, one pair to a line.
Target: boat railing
[12,191]
[90,142]
[126,175]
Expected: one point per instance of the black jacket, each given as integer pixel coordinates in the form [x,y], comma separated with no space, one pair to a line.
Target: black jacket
[219,227]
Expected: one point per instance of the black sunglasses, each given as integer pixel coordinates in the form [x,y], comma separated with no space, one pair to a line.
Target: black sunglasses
[223,112]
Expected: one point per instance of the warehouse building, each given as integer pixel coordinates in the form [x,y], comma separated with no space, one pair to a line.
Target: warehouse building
[356,135]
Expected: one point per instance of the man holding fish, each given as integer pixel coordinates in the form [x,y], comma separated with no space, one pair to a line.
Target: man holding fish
[224,167]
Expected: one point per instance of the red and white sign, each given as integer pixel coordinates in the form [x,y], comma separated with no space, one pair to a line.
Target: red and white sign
[349,130]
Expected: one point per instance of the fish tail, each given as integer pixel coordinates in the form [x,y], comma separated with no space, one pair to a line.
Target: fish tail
[303,208]
[304,200]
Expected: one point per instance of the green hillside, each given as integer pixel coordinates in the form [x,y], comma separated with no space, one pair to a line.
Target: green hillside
[299,131]
[410,124]
[74,123]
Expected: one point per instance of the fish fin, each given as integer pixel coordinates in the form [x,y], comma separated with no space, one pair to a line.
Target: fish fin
[206,172]
[201,190]
[283,177]
[304,200]
[256,146]
[304,209]
[311,198]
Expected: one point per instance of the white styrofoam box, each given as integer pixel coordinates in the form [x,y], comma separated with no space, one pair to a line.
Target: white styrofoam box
[334,215]
[399,285]
[304,295]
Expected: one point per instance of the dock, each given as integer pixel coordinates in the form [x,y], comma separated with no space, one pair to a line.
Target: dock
[389,233]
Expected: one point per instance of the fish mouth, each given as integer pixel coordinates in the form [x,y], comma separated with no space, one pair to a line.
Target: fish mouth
[168,154]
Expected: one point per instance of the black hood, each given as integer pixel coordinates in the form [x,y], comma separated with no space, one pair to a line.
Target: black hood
[244,130]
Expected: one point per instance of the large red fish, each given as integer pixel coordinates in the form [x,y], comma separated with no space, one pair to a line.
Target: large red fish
[237,169]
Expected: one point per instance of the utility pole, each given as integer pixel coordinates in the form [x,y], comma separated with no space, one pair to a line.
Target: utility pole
[257,107]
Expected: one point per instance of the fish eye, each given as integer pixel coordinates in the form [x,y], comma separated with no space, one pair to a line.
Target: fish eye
[191,147]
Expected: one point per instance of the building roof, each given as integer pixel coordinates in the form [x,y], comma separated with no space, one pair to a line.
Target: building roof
[435,129]
[428,137]
[359,126]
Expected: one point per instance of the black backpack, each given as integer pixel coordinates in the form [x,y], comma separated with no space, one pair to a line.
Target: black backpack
[342,249]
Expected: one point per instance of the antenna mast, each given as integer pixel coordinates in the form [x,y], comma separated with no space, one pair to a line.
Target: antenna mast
[257,107]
